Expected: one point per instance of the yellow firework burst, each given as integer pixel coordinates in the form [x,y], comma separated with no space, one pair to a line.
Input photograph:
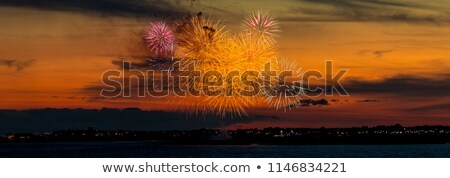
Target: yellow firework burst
[232,101]
[202,40]
[250,54]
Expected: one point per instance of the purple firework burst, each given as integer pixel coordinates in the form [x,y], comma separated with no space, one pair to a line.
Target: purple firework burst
[159,38]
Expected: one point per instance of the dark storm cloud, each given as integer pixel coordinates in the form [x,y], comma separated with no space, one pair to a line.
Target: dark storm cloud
[135,88]
[360,4]
[38,120]
[431,107]
[402,85]
[367,10]
[371,101]
[381,53]
[137,63]
[18,65]
[144,63]
[375,53]
[437,63]
[122,8]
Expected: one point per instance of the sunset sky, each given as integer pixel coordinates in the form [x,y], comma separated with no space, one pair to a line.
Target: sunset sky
[53,53]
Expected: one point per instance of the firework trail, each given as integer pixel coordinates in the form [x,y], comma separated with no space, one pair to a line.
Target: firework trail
[159,38]
[228,106]
[262,25]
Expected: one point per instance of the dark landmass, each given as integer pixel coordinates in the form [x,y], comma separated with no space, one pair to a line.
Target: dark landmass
[395,134]
[50,119]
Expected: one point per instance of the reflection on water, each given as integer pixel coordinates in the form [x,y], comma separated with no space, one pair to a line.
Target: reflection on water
[149,150]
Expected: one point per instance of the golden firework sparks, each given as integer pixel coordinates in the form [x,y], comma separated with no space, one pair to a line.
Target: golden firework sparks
[204,42]
[201,40]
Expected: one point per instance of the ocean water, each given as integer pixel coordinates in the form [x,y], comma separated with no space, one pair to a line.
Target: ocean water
[151,150]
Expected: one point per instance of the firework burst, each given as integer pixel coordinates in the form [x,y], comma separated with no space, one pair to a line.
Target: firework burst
[231,102]
[159,38]
[201,40]
[287,93]
[249,54]
[262,25]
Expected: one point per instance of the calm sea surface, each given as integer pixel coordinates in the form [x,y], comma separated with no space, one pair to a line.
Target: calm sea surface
[150,150]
